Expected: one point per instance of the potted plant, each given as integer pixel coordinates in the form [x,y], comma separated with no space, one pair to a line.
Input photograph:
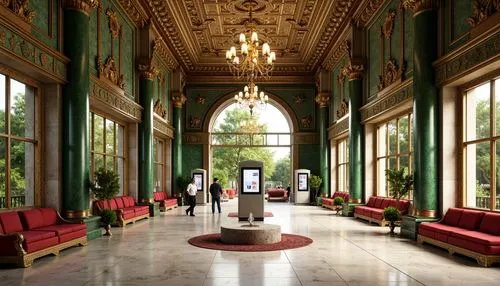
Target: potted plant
[182,183]
[400,184]
[391,214]
[105,187]
[315,183]
[108,217]
[338,202]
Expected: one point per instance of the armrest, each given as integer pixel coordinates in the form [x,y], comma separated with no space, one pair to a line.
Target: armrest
[119,213]
[11,244]
[61,220]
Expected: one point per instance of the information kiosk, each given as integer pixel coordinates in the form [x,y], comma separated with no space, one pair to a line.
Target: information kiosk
[301,186]
[200,179]
[251,190]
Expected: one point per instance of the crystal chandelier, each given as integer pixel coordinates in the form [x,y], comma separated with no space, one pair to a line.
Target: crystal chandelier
[251,97]
[252,61]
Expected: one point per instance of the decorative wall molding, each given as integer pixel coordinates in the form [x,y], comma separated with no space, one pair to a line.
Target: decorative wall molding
[109,71]
[20,46]
[178,99]
[200,99]
[468,58]
[162,126]
[482,10]
[84,5]
[388,26]
[159,109]
[148,69]
[391,74]
[160,48]
[119,103]
[338,128]
[19,8]
[323,99]
[403,92]
[367,10]
[195,138]
[194,122]
[306,121]
[300,138]
[420,5]
[339,50]
[113,23]
[135,12]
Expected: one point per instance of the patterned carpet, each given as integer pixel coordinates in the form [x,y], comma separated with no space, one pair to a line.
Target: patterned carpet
[212,241]
[235,214]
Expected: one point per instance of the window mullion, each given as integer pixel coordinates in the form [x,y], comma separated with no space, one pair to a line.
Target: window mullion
[7,142]
[492,147]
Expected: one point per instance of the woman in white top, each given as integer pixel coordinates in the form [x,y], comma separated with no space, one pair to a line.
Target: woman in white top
[191,190]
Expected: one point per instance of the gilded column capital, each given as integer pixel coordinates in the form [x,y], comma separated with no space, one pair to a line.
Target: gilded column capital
[81,5]
[419,6]
[148,71]
[353,70]
[323,99]
[178,99]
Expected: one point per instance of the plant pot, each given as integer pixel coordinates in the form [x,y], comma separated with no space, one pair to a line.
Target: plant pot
[392,226]
[108,230]
[338,209]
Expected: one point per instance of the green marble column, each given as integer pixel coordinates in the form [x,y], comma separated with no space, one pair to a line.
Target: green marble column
[324,150]
[425,113]
[356,141]
[75,143]
[178,100]
[146,168]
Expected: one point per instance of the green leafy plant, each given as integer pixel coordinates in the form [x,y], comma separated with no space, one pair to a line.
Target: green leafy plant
[106,184]
[315,184]
[182,183]
[400,183]
[108,217]
[338,201]
[391,214]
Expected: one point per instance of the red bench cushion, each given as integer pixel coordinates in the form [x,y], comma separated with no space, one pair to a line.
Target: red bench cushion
[62,229]
[170,202]
[378,202]
[474,246]
[371,202]
[490,224]
[10,222]
[49,216]
[37,240]
[119,203]
[112,204]
[437,231]
[470,219]
[31,219]
[478,237]
[131,200]
[452,216]
[385,203]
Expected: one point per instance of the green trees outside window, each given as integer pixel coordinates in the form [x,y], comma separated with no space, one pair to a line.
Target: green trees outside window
[343,165]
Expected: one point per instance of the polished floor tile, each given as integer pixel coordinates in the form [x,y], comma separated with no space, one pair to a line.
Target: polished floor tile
[345,251]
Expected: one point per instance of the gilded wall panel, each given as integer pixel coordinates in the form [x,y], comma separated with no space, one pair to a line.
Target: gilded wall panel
[44,24]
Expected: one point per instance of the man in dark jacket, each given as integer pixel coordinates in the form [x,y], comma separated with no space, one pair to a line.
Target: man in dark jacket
[215,191]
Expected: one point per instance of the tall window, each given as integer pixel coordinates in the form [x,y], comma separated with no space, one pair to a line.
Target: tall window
[17,143]
[343,165]
[160,164]
[481,145]
[394,149]
[107,147]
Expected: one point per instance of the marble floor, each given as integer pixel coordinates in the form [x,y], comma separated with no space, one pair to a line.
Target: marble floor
[345,251]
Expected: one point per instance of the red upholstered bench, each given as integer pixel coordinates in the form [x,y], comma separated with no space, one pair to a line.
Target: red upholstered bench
[126,209]
[30,234]
[373,211]
[231,193]
[277,195]
[165,202]
[469,232]
[328,202]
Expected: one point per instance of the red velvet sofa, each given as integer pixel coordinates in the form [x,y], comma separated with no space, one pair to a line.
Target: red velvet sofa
[277,195]
[165,202]
[328,202]
[373,211]
[126,209]
[30,234]
[231,193]
[469,232]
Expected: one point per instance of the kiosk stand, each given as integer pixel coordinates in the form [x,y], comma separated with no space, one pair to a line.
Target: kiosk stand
[200,179]
[251,190]
[301,186]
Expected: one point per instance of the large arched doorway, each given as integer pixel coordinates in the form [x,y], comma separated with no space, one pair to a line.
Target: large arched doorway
[236,134]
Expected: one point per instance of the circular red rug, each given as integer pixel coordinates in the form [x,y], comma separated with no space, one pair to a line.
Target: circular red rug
[212,241]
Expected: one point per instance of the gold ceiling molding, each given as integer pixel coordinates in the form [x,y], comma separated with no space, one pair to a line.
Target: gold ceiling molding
[482,9]
[135,12]
[160,48]
[367,10]
[227,79]
[339,50]
[82,5]
[20,8]
[419,6]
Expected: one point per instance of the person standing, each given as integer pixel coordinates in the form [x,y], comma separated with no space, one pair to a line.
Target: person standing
[215,191]
[191,191]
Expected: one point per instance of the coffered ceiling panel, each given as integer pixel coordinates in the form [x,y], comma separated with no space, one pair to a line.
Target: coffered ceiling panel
[200,31]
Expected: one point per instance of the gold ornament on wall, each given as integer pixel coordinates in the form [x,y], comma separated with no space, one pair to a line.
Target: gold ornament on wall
[194,122]
[20,8]
[343,108]
[114,23]
[299,99]
[388,26]
[482,10]
[391,74]
[200,99]
[110,72]
[159,108]
[306,121]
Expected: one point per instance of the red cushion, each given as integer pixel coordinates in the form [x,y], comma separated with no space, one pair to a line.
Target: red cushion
[126,202]
[112,204]
[377,214]
[130,200]
[440,231]
[403,206]
[49,216]
[362,210]
[478,237]
[385,203]
[371,202]
[72,235]
[378,202]
[490,223]
[128,215]
[1,229]
[470,219]
[129,210]
[37,235]
[31,247]
[477,247]
[61,229]
[171,202]
[31,219]
[103,204]
[327,201]
[452,216]
[10,222]
[346,197]
[119,203]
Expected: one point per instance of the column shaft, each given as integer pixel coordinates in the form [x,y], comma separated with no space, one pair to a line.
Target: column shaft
[356,141]
[146,142]
[323,146]
[177,147]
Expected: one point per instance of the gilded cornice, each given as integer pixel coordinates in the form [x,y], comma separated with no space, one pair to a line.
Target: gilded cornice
[419,6]
[195,138]
[299,138]
[338,128]
[228,79]
[366,11]
[339,50]
[323,99]
[82,5]
[383,104]
[178,99]
[160,48]
[162,126]
[148,71]
[135,12]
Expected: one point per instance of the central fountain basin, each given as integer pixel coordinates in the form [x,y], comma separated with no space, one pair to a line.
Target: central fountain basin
[250,234]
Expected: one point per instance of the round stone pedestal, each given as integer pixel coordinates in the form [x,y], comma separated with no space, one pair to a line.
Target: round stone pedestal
[246,234]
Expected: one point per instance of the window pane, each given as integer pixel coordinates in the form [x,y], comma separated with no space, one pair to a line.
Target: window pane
[120,140]
[478,112]
[497,197]
[2,106]
[272,139]
[478,175]
[110,138]
[22,174]
[158,178]
[98,134]
[381,183]
[121,173]
[381,141]
[497,103]
[284,139]
[110,163]
[391,128]
[258,139]
[2,174]
[403,135]
[392,163]
[98,162]
[22,110]
[404,163]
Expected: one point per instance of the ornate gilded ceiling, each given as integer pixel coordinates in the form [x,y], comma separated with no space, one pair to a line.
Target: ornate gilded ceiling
[300,31]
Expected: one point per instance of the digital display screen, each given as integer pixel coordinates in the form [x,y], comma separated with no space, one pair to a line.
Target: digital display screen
[250,181]
[198,181]
[303,182]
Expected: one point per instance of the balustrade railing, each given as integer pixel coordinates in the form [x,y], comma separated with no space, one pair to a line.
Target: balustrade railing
[15,202]
[484,202]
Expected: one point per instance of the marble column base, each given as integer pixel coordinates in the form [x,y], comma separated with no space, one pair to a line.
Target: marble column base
[348,209]
[246,234]
[410,224]
[94,229]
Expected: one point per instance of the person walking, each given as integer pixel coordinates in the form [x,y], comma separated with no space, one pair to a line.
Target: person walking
[191,191]
[215,191]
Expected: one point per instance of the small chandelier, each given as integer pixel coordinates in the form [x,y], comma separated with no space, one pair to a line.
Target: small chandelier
[251,63]
[251,97]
